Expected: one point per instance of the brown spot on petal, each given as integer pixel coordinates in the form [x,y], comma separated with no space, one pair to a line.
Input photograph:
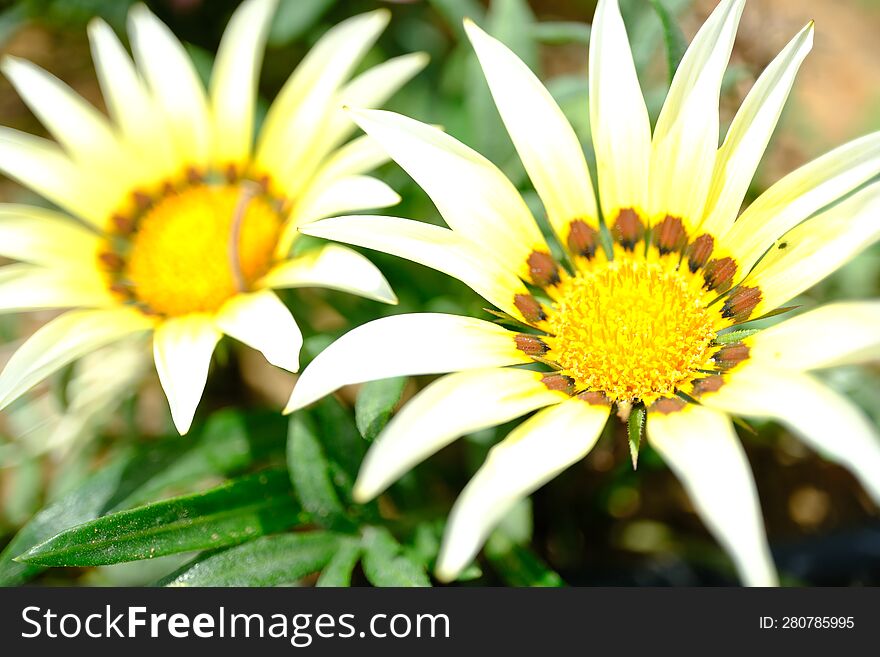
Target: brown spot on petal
[123,225]
[699,251]
[530,308]
[231,173]
[628,229]
[531,345]
[740,304]
[111,261]
[559,382]
[709,384]
[595,398]
[719,274]
[142,200]
[669,235]
[668,405]
[731,355]
[543,269]
[582,239]
[193,177]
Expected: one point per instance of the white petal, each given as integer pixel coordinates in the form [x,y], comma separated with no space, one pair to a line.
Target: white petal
[370,90]
[41,165]
[703,450]
[358,156]
[419,343]
[28,287]
[234,80]
[78,126]
[816,248]
[750,133]
[432,246]
[182,349]
[800,194]
[618,116]
[63,340]
[335,267]
[130,104]
[474,197]
[825,420]
[535,452]
[174,83]
[342,195]
[686,135]
[544,139]
[842,333]
[452,406]
[264,323]
[45,237]
[292,139]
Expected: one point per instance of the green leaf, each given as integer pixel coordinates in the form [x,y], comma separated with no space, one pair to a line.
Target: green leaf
[735,336]
[293,18]
[228,444]
[517,565]
[233,513]
[635,427]
[561,32]
[676,44]
[338,571]
[455,11]
[310,473]
[375,403]
[385,563]
[267,561]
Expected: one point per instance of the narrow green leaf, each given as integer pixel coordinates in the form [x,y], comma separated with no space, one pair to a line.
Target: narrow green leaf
[235,512]
[267,561]
[635,427]
[310,473]
[228,444]
[375,403]
[293,18]
[386,564]
[735,336]
[561,32]
[676,44]
[338,571]
[518,565]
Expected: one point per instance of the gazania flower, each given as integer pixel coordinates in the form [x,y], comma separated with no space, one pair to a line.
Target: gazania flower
[178,224]
[636,311]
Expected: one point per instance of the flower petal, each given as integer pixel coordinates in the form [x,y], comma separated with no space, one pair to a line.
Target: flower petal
[296,122]
[263,322]
[130,104]
[686,136]
[816,248]
[452,406]
[544,139]
[358,156]
[703,450]
[234,80]
[63,340]
[342,195]
[182,349]
[474,197]
[825,420]
[174,83]
[842,333]
[533,453]
[432,246]
[334,267]
[750,133]
[800,194]
[45,237]
[618,116]
[26,287]
[419,343]
[41,165]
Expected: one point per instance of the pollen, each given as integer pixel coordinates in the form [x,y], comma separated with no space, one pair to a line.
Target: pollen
[194,249]
[633,329]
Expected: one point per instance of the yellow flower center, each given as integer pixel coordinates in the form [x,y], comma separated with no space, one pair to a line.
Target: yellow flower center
[633,329]
[195,248]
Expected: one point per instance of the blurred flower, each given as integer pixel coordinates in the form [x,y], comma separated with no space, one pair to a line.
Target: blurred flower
[636,312]
[185,227]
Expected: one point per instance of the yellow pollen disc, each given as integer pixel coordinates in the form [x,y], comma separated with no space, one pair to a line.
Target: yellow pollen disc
[633,329]
[182,259]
